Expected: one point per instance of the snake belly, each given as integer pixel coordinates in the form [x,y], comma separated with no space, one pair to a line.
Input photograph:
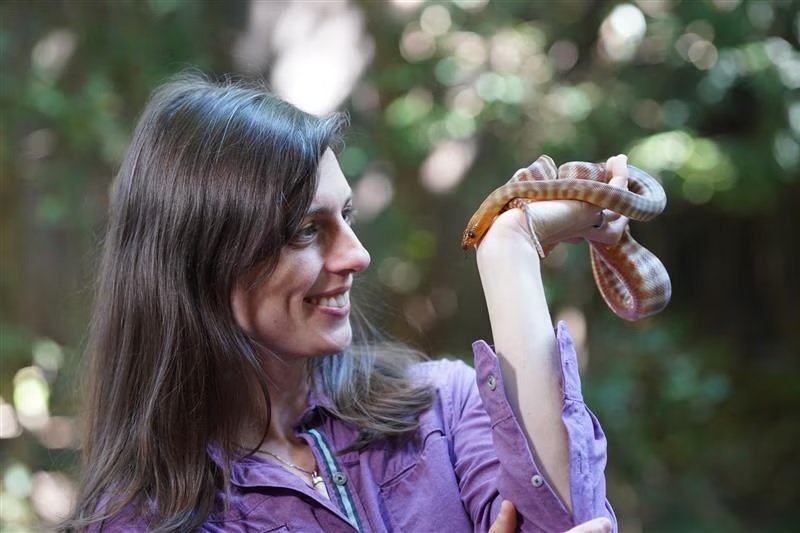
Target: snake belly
[632,281]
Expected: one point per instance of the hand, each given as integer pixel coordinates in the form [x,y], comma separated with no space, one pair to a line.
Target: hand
[557,221]
[506,521]
[598,525]
[572,221]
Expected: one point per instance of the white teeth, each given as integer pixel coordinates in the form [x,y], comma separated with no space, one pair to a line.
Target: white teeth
[340,300]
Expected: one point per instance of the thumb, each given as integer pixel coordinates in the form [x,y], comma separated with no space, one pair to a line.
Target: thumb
[598,525]
[506,521]
[617,167]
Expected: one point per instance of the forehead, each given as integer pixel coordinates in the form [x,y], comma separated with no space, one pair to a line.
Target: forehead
[332,187]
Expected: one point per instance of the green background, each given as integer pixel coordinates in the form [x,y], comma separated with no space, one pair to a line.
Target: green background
[700,403]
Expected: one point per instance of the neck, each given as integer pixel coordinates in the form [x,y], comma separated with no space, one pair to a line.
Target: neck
[289,388]
[288,394]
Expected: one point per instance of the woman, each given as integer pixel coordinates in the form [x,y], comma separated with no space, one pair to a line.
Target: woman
[225,392]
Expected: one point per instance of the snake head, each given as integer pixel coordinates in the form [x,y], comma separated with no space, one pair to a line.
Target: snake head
[469,239]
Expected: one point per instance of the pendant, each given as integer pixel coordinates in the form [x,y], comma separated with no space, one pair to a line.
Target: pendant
[316,479]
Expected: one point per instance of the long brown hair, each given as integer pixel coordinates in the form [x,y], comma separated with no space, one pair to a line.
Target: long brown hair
[216,180]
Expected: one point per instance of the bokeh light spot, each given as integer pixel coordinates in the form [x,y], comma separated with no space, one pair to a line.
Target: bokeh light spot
[52,495]
[52,53]
[621,32]
[399,275]
[786,150]
[409,108]
[48,355]
[416,45]
[446,165]
[563,54]
[9,425]
[435,20]
[373,193]
[17,480]
[31,396]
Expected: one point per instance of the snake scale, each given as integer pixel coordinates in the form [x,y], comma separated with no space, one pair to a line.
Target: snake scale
[632,280]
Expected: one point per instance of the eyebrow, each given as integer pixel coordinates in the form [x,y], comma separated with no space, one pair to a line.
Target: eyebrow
[323,209]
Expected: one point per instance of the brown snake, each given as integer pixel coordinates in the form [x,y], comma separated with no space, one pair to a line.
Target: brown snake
[631,279]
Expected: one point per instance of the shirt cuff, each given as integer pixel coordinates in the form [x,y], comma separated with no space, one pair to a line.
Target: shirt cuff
[520,479]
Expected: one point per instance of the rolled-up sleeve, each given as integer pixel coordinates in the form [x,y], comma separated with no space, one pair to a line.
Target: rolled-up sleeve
[520,480]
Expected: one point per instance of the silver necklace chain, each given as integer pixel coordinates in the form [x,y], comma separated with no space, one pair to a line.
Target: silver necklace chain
[316,479]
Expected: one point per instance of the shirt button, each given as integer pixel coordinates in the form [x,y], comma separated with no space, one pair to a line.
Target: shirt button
[339,478]
[492,382]
[537,481]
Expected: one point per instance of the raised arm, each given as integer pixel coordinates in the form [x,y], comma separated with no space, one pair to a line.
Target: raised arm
[522,328]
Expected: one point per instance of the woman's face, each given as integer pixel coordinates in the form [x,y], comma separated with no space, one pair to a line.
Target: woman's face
[302,309]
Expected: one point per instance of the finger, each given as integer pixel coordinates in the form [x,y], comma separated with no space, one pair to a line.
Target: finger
[605,216]
[598,525]
[605,525]
[608,230]
[619,181]
[617,167]
[610,233]
[601,219]
[556,220]
[506,521]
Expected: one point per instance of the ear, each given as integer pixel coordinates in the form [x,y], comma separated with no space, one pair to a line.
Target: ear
[240,306]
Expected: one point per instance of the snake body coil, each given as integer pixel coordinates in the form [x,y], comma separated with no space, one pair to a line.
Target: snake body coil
[631,279]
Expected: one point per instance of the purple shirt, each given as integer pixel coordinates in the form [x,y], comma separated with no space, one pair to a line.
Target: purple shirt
[467,456]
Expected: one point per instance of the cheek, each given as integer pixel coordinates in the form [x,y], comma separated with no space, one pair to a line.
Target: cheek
[288,286]
[279,298]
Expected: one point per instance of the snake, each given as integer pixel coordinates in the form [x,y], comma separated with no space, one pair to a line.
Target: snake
[632,281]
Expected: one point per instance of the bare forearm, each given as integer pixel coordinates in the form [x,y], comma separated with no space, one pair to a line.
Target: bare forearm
[525,343]
[523,333]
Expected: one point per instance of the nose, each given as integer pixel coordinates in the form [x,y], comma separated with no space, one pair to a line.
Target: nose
[347,255]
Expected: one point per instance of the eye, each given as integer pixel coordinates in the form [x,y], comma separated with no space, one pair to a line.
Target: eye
[349,215]
[305,234]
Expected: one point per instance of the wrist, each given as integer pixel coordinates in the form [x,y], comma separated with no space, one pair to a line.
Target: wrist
[507,250]
[514,232]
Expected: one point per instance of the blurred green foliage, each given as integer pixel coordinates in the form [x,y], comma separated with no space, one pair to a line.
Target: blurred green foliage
[699,403]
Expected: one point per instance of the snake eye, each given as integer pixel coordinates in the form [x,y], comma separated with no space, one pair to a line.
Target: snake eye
[471,234]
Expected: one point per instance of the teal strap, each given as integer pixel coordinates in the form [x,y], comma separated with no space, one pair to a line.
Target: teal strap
[343,496]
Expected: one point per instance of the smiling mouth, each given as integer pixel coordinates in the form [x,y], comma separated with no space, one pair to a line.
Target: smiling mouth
[338,301]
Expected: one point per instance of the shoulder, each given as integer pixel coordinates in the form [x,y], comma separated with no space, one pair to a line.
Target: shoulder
[442,373]
[453,383]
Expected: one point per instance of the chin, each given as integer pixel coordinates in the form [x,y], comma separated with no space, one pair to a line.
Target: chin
[339,343]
